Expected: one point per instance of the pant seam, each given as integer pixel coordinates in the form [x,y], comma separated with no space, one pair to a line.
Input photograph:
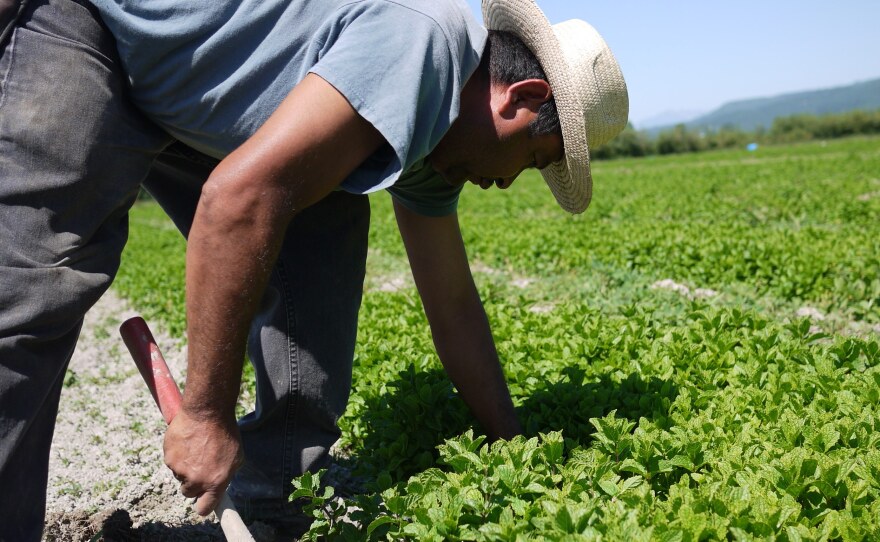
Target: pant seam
[291,419]
[8,74]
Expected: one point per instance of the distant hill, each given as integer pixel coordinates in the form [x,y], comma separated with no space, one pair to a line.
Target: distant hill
[668,118]
[749,114]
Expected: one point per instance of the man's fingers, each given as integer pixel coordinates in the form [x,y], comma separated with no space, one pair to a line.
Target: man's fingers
[189,489]
[207,503]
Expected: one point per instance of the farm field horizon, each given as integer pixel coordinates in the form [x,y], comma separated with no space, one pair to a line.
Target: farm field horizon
[694,358]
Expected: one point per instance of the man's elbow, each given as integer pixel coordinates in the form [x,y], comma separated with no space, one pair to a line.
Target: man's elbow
[231,200]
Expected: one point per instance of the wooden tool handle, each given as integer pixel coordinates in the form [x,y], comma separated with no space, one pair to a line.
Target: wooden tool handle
[148,358]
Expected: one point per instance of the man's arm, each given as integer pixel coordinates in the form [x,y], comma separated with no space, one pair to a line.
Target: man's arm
[458,321]
[301,153]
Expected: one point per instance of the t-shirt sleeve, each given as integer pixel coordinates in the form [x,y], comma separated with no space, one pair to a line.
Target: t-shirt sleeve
[426,193]
[395,66]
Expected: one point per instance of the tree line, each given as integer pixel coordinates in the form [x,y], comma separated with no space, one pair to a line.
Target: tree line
[680,139]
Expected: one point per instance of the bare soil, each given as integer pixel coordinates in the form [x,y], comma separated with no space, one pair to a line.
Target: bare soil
[107,479]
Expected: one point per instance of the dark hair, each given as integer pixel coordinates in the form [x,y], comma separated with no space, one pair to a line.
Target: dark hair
[507,60]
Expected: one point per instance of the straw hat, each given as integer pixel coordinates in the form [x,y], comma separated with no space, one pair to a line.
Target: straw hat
[587,85]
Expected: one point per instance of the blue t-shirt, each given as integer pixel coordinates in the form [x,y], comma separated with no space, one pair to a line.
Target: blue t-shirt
[211,72]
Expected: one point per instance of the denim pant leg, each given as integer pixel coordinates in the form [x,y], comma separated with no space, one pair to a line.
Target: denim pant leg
[305,337]
[72,153]
[301,342]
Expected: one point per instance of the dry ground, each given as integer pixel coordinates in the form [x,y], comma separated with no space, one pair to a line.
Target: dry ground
[107,480]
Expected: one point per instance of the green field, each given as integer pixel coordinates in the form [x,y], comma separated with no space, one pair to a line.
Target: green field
[694,358]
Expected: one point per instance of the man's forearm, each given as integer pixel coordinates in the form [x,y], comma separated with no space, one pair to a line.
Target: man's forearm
[228,264]
[467,350]
[458,322]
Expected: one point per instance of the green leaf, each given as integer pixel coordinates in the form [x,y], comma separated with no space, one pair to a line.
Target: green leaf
[564,521]
[609,487]
[378,522]
[793,534]
[384,481]
[829,436]
[300,493]
[683,462]
[553,446]
[631,483]
[630,465]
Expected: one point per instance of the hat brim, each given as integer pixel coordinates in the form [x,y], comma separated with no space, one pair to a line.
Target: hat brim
[569,179]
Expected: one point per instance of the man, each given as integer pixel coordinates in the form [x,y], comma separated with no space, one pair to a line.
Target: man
[256,125]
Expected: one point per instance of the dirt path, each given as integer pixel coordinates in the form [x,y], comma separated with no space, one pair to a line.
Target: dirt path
[107,480]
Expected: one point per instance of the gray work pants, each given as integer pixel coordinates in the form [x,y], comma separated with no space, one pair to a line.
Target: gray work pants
[73,152]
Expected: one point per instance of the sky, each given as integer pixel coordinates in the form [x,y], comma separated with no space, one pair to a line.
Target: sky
[689,55]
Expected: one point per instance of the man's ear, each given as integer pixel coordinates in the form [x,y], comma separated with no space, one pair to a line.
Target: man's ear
[528,94]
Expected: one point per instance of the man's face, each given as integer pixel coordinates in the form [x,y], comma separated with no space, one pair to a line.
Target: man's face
[491,144]
[495,160]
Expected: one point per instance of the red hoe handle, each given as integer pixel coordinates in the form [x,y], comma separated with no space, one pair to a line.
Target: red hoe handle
[140,342]
[148,358]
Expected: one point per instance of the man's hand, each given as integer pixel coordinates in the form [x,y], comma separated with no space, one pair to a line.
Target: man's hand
[458,322]
[203,454]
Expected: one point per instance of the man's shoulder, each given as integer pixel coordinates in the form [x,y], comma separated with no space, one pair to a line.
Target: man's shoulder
[447,14]
[453,18]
